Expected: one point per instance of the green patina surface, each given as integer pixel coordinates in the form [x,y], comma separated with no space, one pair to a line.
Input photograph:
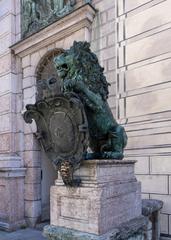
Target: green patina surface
[38,14]
[81,74]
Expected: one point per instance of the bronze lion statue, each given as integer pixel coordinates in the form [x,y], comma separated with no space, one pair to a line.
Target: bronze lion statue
[82,75]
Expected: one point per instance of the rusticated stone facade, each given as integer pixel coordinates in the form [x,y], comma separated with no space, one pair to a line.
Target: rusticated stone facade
[132,42]
[143,99]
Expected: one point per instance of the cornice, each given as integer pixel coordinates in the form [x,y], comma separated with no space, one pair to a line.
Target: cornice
[74,21]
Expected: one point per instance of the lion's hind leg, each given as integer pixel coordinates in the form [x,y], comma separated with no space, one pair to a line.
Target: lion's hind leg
[118,141]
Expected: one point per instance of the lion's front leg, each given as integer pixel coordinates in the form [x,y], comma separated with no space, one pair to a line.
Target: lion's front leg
[69,84]
[90,99]
[74,84]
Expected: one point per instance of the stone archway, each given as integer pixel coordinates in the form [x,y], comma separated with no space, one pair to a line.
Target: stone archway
[75,26]
[45,70]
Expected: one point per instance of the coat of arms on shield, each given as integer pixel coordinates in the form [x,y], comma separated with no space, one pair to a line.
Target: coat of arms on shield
[62,132]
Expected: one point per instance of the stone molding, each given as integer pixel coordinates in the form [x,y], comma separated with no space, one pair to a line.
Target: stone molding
[12,172]
[78,19]
[91,172]
[12,227]
[10,162]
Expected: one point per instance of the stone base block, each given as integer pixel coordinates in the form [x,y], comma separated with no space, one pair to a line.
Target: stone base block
[108,196]
[12,198]
[9,227]
[151,209]
[135,229]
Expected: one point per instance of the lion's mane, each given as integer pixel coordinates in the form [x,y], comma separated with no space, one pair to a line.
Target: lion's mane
[84,63]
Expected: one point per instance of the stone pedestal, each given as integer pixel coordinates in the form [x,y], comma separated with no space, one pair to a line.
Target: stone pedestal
[108,197]
[12,198]
[151,209]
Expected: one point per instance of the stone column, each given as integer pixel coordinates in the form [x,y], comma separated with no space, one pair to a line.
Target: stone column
[11,150]
[108,197]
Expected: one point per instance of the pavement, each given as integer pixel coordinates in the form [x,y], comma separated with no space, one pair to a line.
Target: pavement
[24,234]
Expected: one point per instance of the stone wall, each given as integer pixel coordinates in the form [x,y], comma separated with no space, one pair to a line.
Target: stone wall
[103,43]
[144,94]
[10,89]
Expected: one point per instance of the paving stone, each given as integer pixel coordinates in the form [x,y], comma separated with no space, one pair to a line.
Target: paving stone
[25,234]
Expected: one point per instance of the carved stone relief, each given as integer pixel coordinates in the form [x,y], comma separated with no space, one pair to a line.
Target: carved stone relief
[38,14]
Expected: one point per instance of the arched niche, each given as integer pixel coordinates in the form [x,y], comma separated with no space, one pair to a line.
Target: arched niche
[46,71]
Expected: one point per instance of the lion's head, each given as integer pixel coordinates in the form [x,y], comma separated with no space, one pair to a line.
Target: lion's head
[80,61]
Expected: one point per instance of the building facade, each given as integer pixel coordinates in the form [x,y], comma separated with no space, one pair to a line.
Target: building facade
[132,42]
